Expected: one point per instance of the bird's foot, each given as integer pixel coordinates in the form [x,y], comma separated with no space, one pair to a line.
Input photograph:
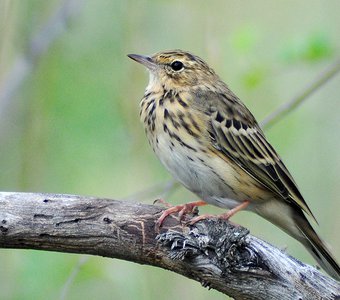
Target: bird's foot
[225,216]
[181,209]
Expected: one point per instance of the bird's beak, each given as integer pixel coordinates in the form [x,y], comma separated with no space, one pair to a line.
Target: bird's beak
[144,60]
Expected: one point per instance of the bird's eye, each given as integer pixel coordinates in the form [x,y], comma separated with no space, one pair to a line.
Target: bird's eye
[177,65]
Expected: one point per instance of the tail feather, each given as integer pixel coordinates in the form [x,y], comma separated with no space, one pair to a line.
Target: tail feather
[317,247]
[292,220]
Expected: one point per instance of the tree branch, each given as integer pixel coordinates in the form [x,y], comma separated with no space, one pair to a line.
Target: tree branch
[217,254]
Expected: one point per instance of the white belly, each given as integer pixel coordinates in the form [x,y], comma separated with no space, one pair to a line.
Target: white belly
[185,165]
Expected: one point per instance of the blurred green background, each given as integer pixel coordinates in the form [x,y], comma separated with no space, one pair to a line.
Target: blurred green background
[73,125]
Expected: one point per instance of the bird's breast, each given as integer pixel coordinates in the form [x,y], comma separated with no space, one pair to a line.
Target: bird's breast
[179,137]
[176,136]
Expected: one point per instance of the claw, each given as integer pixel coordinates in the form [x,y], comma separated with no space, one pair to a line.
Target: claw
[181,209]
[161,201]
[189,207]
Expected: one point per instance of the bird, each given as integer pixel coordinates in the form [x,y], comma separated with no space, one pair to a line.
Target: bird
[212,144]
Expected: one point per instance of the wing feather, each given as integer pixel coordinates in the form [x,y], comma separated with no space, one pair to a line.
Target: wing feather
[238,136]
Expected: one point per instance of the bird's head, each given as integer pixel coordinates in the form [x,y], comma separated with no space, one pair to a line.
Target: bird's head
[176,70]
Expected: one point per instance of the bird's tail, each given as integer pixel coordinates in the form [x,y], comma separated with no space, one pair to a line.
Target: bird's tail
[292,220]
[316,246]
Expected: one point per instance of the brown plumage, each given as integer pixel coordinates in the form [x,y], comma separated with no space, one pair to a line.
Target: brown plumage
[210,142]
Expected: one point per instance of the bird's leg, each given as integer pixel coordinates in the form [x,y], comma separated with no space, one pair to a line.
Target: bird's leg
[224,216]
[236,209]
[181,209]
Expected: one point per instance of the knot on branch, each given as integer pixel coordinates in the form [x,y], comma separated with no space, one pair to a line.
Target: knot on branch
[223,244]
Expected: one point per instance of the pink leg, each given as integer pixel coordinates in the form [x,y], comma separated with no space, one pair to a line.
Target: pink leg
[224,216]
[181,209]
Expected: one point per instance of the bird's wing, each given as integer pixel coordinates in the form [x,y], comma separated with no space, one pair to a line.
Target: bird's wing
[236,134]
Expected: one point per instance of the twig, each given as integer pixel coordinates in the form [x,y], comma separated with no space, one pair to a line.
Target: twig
[160,190]
[217,254]
[286,108]
[37,47]
[83,260]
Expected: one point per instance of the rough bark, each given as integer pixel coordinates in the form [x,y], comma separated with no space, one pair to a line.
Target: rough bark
[216,253]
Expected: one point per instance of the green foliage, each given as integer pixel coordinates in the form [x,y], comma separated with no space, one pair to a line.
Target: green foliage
[313,48]
[245,39]
[254,77]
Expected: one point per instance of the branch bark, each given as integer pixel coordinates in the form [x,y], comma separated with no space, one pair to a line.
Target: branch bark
[217,254]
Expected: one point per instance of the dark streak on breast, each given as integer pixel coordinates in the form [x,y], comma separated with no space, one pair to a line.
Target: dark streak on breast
[152,109]
[193,122]
[180,101]
[166,114]
[174,123]
[148,103]
[177,138]
[188,129]
[161,101]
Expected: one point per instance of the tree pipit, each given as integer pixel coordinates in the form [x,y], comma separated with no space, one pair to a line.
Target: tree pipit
[211,143]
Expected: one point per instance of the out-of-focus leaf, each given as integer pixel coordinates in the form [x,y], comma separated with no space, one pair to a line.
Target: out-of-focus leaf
[318,47]
[245,39]
[253,78]
[314,48]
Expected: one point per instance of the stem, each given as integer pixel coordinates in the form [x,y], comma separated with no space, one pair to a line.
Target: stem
[286,108]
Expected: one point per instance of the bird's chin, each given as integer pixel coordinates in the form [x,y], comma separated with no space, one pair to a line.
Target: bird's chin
[154,82]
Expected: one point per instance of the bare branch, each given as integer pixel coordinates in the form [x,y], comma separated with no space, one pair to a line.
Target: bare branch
[217,254]
[286,108]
